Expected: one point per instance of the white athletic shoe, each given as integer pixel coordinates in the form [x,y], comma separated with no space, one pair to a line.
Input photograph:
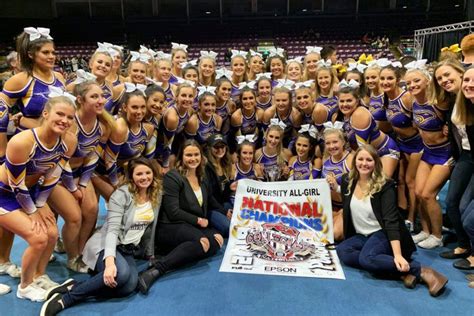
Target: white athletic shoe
[11,269]
[420,237]
[44,282]
[77,265]
[31,292]
[4,289]
[431,242]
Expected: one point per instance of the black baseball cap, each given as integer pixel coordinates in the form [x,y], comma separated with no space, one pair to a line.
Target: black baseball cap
[215,139]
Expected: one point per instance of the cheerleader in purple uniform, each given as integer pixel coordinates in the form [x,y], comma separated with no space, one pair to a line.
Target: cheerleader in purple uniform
[205,122]
[311,62]
[325,95]
[225,105]
[75,199]
[163,75]
[397,104]
[294,70]
[276,64]
[305,102]
[376,107]
[255,65]
[360,127]
[247,120]
[137,68]
[34,161]
[115,77]
[191,73]
[271,157]
[179,56]
[238,66]
[436,161]
[207,68]
[29,89]
[336,162]
[357,75]
[264,92]
[302,166]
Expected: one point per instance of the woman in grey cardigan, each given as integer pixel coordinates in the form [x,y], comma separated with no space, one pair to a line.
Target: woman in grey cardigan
[129,229]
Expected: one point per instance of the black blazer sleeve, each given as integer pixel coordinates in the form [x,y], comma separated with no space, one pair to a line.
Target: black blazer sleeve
[385,204]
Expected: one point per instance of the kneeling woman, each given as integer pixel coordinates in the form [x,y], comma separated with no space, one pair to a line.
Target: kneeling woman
[183,225]
[129,230]
[376,238]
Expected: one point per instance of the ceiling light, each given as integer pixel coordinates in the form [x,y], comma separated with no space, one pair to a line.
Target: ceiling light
[208,12]
[456,5]
[304,10]
[404,7]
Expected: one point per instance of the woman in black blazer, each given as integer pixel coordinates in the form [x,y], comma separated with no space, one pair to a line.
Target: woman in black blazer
[183,224]
[376,238]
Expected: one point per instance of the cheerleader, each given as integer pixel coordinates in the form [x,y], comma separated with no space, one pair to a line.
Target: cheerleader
[247,120]
[191,73]
[238,66]
[325,83]
[436,161]
[41,152]
[264,91]
[336,162]
[207,68]
[311,62]
[75,199]
[137,68]
[225,106]
[29,88]
[360,127]
[179,56]
[272,159]
[163,75]
[376,107]
[302,166]
[305,102]
[357,74]
[115,77]
[398,105]
[255,65]
[276,63]
[294,70]
[205,122]
[155,105]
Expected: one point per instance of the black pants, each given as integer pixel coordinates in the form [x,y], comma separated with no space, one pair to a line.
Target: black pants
[182,243]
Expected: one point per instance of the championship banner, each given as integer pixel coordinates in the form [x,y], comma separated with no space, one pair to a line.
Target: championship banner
[282,228]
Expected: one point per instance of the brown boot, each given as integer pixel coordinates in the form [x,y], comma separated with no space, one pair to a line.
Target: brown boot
[435,280]
[409,280]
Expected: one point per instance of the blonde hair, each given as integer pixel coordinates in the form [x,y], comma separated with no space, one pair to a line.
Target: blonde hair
[341,136]
[443,97]
[280,158]
[306,75]
[377,179]
[331,85]
[463,112]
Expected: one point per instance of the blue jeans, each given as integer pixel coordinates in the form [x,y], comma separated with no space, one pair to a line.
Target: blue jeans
[127,277]
[459,180]
[467,213]
[220,221]
[372,253]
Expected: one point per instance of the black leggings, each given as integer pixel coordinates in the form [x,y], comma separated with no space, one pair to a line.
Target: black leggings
[183,241]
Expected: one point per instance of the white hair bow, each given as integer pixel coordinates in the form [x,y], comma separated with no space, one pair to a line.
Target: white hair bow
[276,51]
[241,138]
[313,49]
[298,59]
[277,122]
[58,92]
[82,76]
[357,66]
[106,48]
[236,53]
[310,129]
[223,72]
[36,33]
[416,64]
[179,46]
[151,81]
[304,84]
[189,82]
[189,63]
[285,83]
[208,54]
[130,87]
[351,84]
[149,51]
[335,125]
[250,84]
[324,63]
[118,47]
[140,57]
[267,75]
[397,64]
[254,53]
[162,55]
[208,89]
[382,62]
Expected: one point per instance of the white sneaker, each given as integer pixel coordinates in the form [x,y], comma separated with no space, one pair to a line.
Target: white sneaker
[420,237]
[77,265]
[4,289]
[44,282]
[431,242]
[31,292]
[11,269]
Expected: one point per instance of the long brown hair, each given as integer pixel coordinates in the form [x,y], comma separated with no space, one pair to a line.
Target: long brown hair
[154,190]
[443,97]
[378,177]
[463,112]
[27,49]
[179,160]
[225,163]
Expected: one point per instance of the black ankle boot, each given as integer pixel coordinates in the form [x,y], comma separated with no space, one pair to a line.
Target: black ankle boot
[147,278]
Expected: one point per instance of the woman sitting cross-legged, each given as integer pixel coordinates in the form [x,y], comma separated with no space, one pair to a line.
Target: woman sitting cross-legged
[376,238]
[129,231]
